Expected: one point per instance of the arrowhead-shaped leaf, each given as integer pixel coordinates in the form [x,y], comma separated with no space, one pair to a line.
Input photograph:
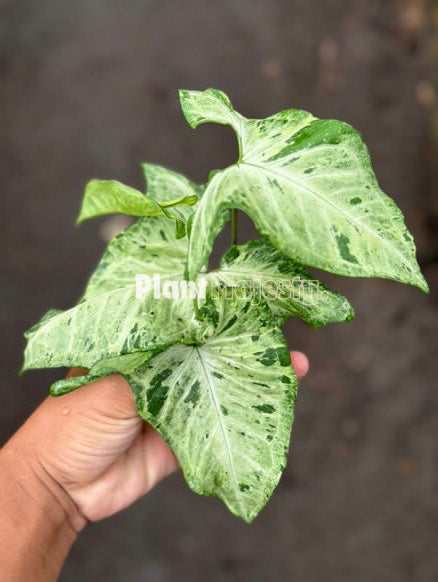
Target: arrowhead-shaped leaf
[110,321]
[109,325]
[147,247]
[284,284]
[310,189]
[226,413]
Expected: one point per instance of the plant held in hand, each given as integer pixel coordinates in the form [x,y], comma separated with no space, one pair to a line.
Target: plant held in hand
[212,374]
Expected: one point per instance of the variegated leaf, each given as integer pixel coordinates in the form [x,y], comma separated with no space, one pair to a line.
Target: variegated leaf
[309,187]
[226,406]
[284,284]
[110,321]
[163,185]
[142,249]
[147,247]
[109,325]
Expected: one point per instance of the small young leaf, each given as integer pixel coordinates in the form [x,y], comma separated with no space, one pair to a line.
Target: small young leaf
[309,187]
[284,284]
[163,185]
[111,197]
[210,106]
[180,227]
[226,413]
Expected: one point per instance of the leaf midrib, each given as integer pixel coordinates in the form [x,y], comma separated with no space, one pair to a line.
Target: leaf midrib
[222,427]
[328,203]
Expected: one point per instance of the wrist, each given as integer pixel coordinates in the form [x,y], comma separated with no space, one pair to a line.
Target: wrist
[21,465]
[38,526]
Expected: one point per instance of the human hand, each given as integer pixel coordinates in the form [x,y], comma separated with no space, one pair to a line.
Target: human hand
[80,457]
[93,444]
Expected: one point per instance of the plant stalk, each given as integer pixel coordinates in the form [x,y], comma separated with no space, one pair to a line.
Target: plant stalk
[196,309]
[234,226]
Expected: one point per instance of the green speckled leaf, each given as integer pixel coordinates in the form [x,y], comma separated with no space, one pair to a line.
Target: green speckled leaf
[309,187]
[109,325]
[147,247]
[110,320]
[164,185]
[220,388]
[284,284]
[225,407]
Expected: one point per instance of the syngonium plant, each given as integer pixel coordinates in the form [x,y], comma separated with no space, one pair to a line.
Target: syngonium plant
[213,375]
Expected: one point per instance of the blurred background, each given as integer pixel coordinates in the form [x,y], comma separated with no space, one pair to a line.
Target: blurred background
[89,89]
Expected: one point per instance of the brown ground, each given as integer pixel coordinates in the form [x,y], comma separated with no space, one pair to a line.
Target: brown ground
[89,89]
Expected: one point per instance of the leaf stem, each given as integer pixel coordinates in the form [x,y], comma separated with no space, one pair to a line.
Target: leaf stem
[196,309]
[234,226]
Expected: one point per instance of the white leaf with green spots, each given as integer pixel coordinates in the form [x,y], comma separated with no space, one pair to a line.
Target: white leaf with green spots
[226,406]
[110,321]
[147,247]
[109,325]
[310,189]
[284,284]
[164,185]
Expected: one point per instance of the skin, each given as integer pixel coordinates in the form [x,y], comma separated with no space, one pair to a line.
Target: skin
[79,458]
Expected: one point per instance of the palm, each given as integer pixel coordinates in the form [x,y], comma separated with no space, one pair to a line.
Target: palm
[110,457]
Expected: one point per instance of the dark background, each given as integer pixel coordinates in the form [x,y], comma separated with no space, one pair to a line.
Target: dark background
[88,89]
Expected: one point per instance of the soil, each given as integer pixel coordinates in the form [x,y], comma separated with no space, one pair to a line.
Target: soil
[88,89]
